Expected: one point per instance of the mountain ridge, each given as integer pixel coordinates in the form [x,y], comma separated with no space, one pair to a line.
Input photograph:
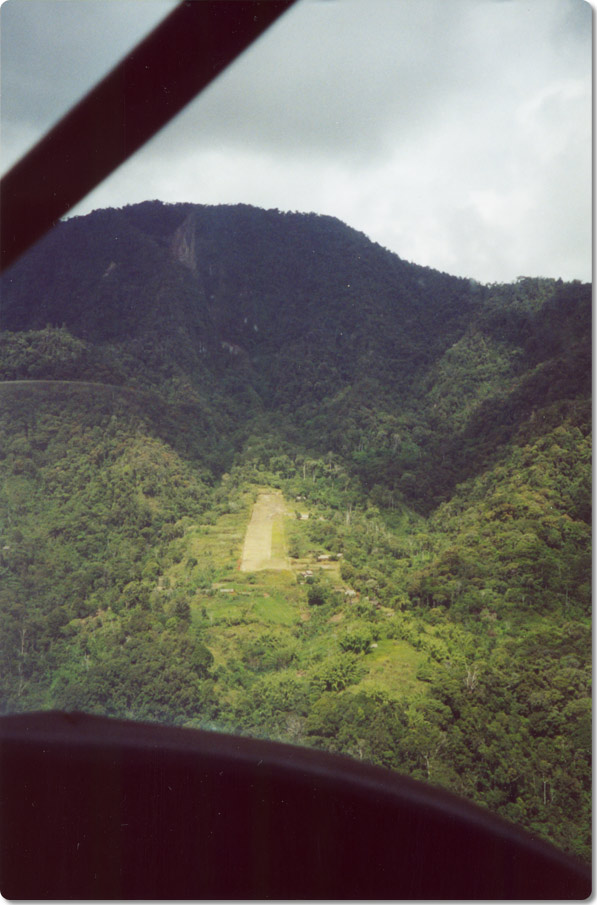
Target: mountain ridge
[298,314]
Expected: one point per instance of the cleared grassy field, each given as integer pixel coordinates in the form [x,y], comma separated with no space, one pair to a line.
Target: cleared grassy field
[393,665]
[276,609]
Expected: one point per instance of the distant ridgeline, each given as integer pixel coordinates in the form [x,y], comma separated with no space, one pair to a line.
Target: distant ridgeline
[413,377]
[159,363]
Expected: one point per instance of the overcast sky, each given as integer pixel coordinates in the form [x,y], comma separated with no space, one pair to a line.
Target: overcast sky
[456,133]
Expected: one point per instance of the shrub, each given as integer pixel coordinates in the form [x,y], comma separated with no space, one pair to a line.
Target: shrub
[317,594]
[356,640]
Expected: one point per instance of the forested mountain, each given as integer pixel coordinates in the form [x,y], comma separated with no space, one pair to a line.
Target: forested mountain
[164,365]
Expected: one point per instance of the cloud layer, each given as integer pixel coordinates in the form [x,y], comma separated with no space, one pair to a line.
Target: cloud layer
[455,132]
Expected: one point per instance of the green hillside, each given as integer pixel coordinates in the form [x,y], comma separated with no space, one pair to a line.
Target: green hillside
[260,475]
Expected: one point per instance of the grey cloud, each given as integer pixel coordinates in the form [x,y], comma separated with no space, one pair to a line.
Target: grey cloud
[53,51]
[334,77]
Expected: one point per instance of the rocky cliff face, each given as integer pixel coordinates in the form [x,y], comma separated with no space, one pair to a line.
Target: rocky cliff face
[183,245]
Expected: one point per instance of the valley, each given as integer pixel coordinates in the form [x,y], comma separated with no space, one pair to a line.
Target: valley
[302,490]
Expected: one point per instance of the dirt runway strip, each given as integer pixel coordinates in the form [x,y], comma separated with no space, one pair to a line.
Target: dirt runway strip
[258,552]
